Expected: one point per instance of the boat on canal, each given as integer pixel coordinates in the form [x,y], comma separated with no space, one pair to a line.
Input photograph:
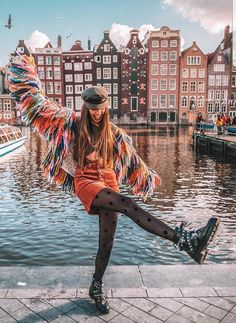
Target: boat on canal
[11,138]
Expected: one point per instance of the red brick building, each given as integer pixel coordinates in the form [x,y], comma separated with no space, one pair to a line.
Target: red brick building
[7,104]
[163,75]
[133,107]
[220,79]
[193,84]
[78,74]
[107,73]
[50,70]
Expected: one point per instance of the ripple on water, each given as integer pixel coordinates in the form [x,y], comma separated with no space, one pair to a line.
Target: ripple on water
[41,225]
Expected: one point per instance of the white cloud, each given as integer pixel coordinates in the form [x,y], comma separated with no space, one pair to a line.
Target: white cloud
[37,40]
[213,15]
[120,34]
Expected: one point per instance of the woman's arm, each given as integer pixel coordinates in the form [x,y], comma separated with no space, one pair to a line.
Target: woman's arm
[131,169]
[51,120]
[46,116]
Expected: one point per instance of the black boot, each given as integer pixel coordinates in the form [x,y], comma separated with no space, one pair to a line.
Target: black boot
[97,294]
[195,242]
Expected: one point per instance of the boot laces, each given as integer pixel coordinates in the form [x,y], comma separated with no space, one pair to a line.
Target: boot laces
[98,291]
[186,238]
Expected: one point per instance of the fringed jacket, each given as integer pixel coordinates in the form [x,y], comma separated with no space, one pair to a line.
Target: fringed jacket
[57,124]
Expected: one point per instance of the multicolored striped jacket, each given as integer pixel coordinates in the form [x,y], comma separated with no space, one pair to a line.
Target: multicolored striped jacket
[57,124]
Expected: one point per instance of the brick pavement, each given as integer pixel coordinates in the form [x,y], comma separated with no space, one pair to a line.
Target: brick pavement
[174,294]
[172,305]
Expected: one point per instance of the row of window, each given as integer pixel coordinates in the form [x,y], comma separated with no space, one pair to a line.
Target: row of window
[194,60]
[107,73]
[193,73]
[187,101]
[51,87]
[217,94]
[48,60]
[78,66]
[6,104]
[106,59]
[218,80]
[163,56]
[79,78]
[163,84]
[193,86]
[164,43]
[164,102]
[49,72]
[6,116]
[163,69]
[76,102]
[5,107]
[216,107]
[78,89]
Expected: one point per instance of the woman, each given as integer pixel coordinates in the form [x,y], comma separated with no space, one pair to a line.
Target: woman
[90,156]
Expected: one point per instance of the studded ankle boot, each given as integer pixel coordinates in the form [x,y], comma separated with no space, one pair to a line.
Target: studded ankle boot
[195,242]
[97,293]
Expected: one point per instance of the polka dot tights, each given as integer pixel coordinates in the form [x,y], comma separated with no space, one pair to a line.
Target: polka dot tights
[107,203]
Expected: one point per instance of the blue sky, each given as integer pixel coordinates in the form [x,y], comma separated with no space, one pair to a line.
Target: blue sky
[198,20]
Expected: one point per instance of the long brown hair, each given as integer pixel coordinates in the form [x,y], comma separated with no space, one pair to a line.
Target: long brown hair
[83,137]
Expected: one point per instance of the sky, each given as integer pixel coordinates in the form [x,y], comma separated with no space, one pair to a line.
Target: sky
[38,21]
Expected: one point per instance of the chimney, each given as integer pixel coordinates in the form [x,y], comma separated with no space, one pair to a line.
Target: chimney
[226,36]
[89,44]
[59,41]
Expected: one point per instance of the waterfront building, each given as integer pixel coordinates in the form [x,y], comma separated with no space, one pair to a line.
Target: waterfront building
[220,79]
[7,104]
[193,84]
[107,73]
[50,70]
[78,74]
[163,75]
[133,109]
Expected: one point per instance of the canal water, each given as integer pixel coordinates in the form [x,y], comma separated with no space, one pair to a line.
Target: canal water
[41,225]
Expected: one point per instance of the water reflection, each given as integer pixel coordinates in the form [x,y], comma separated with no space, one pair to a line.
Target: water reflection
[41,225]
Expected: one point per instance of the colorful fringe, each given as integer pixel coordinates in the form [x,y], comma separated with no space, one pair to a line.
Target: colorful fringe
[50,119]
[131,170]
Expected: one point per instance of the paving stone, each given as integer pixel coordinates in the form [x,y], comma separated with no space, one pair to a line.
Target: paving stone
[41,293]
[63,319]
[216,312]
[118,304]
[121,319]
[139,316]
[168,303]
[231,299]
[50,313]
[10,306]
[86,304]
[164,292]
[2,313]
[219,302]
[194,303]
[177,319]
[109,316]
[161,313]
[234,310]
[3,292]
[80,315]
[195,316]
[198,292]
[25,315]
[36,305]
[141,303]
[8,319]
[82,293]
[128,292]
[64,305]
[229,318]
[226,291]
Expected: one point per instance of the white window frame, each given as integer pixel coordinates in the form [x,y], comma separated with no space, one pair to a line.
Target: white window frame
[70,102]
